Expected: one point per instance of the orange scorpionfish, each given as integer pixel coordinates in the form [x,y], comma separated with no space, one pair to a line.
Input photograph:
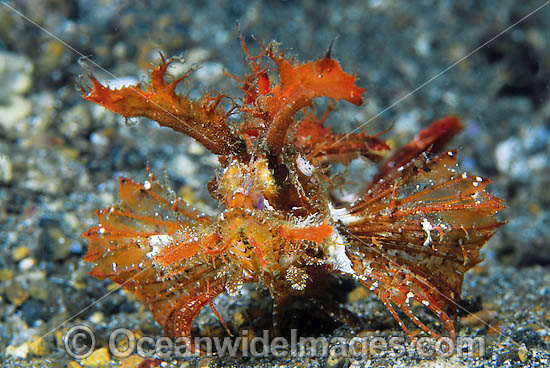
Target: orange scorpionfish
[409,236]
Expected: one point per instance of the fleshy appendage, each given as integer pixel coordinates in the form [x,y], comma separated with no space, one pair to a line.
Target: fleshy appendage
[420,227]
[153,247]
[204,119]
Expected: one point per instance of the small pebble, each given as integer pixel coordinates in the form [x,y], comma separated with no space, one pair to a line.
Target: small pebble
[32,310]
[182,166]
[186,193]
[238,319]
[39,347]
[99,139]
[506,153]
[6,274]
[206,362]
[209,73]
[132,361]
[26,264]
[195,148]
[197,55]
[20,351]
[13,113]
[336,359]
[99,358]
[523,353]
[60,246]
[76,121]
[17,293]
[357,294]
[6,169]
[59,334]
[20,252]
[15,74]
[97,318]
[36,286]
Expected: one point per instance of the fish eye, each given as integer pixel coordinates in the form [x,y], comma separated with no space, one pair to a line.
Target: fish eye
[280,173]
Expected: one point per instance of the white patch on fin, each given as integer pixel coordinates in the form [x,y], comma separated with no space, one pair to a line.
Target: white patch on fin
[336,250]
[156,242]
[342,214]
[427,227]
